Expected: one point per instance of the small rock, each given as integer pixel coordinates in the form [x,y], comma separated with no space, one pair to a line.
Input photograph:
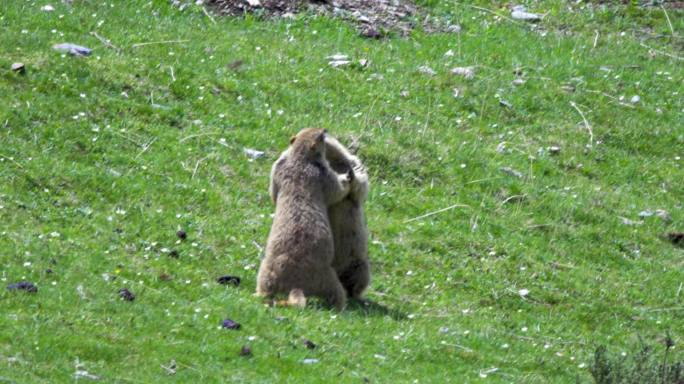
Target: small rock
[518,82]
[182,234]
[23,286]
[245,351]
[554,150]
[19,68]
[370,32]
[72,49]
[81,292]
[337,57]
[125,294]
[309,344]
[339,63]
[663,215]
[47,8]
[523,292]
[467,72]
[426,70]
[501,148]
[520,13]
[627,221]
[253,153]
[635,99]
[453,28]
[254,3]
[225,280]
[511,171]
[83,374]
[646,213]
[505,103]
[230,324]
[310,361]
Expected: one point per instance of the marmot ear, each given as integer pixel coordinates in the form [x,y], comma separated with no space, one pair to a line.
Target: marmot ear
[292,139]
[321,136]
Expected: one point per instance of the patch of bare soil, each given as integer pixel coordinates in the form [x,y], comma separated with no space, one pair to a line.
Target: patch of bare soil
[374,18]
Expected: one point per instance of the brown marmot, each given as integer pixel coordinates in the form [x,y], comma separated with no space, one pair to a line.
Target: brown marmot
[348,222]
[300,248]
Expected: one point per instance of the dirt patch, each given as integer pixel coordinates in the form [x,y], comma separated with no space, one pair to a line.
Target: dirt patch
[373,18]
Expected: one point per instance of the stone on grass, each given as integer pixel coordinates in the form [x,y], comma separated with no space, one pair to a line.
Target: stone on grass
[73,49]
[19,68]
[126,295]
[228,279]
[230,324]
[520,13]
[23,286]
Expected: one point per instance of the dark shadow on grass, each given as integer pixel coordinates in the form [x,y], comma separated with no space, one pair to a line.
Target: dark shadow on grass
[369,308]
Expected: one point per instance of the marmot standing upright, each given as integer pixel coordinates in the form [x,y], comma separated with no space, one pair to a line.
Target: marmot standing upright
[348,223]
[347,220]
[300,248]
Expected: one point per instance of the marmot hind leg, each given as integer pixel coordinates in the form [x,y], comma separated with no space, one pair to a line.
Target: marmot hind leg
[355,278]
[333,292]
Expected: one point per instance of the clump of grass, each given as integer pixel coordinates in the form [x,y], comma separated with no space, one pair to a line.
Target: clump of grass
[646,366]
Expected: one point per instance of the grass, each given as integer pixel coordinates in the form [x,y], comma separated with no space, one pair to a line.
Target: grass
[103,158]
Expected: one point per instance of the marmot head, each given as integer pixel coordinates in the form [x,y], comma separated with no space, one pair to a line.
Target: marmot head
[310,141]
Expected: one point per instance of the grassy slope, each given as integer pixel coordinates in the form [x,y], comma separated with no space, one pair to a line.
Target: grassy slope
[104,192]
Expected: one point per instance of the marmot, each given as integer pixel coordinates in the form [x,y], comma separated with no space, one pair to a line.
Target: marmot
[347,220]
[300,248]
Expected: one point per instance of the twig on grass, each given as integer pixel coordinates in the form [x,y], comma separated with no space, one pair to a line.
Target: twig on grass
[136,45]
[669,23]
[615,99]
[204,9]
[586,123]
[466,349]
[596,37]
[436,212]
[106,42]
[671,309]
[197,166]
[145,147]
[490,11]
[662,52]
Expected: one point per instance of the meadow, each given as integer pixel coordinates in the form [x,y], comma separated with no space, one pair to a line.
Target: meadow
[520,216]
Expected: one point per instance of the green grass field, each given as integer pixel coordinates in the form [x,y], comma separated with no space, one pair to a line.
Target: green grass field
[103,158]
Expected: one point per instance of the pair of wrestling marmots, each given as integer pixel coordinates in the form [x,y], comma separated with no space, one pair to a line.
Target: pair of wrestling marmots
[318,244]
